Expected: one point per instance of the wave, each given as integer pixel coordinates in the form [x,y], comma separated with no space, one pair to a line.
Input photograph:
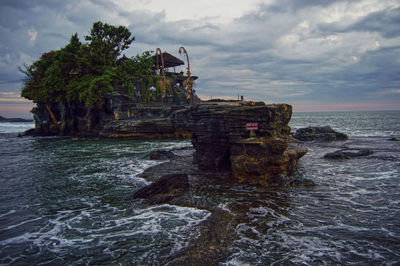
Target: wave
[15,127]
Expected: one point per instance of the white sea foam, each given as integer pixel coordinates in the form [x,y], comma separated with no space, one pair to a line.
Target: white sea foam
[108,226]
[15,127]
[7,213]
[22,223]
[225,207]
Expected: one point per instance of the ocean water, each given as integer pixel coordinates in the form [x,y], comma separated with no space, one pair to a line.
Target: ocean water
[68,201]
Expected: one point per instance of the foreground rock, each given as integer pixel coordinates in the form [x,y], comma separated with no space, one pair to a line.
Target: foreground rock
[162,155]
[222,142]
[319,134]
[165,189]
[180,182]
[348,153]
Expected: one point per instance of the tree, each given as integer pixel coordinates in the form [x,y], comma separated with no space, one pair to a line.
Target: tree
[107,42]
[82,71]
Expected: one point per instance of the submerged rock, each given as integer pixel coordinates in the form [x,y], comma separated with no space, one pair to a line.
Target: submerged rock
[393,139]
[348,153]
[163,155]
[319,134]
[165,189]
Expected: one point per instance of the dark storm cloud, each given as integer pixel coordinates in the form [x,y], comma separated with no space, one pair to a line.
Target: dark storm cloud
[283,6]
[385,22]
[27,5]
[284,51]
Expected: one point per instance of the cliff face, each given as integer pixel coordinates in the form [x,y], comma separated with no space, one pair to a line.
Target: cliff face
[172,127]
[219,131]
[222,142]
[118,118]
[71,119]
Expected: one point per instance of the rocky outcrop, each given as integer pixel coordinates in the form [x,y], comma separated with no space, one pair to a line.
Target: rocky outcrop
[319,134]
[72,119]
[174,126]
[163,155]
[142,129]
[348,153]
[165,189]
[116,119]
[222,142]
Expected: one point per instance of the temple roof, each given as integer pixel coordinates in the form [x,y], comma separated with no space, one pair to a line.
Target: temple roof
[169,60]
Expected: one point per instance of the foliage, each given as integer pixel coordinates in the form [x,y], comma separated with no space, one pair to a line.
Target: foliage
[134,69]
[86,71]
[107,42]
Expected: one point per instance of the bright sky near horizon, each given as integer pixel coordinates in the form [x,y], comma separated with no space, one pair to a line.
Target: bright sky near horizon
[313,54]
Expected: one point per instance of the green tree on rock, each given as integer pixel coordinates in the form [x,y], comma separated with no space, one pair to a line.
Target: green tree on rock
[106,42]
[82,72]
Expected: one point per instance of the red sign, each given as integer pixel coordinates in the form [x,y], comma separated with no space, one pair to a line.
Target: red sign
[252,126]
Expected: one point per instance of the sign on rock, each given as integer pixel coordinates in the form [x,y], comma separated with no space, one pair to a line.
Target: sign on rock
[252,126]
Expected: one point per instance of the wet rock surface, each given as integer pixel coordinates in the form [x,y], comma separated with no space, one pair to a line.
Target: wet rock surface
[319,134]
[179,181]
[162,155]
[222,142]
[117,118]
[172,127]
[164,189]
[348,153]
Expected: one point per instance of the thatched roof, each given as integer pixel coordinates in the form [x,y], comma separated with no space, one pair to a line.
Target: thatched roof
[169,60]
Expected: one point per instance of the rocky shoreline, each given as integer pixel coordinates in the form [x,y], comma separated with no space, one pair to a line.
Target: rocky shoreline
[227,170]
[218,130]
[179,181]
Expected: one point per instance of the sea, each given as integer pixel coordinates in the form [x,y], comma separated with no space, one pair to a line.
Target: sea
[68,201]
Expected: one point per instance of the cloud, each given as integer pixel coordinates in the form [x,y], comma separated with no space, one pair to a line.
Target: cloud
[384,22]
[32,33]
[277,51]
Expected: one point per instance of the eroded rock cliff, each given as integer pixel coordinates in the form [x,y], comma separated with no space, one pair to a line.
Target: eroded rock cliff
[222,140]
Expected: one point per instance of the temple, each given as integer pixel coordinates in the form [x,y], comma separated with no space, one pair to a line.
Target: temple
[147,99]
[159,97]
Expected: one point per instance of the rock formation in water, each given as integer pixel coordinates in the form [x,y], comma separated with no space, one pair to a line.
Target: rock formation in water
[118,118]
[165,189]
[218,129]
[348,153]
[222,141]
[172,124]
[319,134]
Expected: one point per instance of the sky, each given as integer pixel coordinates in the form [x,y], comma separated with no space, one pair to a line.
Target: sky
[317,55]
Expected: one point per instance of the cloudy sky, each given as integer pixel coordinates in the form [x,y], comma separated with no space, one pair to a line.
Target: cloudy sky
[313,54]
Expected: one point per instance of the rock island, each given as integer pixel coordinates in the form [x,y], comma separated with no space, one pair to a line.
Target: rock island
[89,89]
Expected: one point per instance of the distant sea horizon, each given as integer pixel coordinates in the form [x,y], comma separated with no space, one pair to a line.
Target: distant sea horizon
[333,111]
[30,116]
